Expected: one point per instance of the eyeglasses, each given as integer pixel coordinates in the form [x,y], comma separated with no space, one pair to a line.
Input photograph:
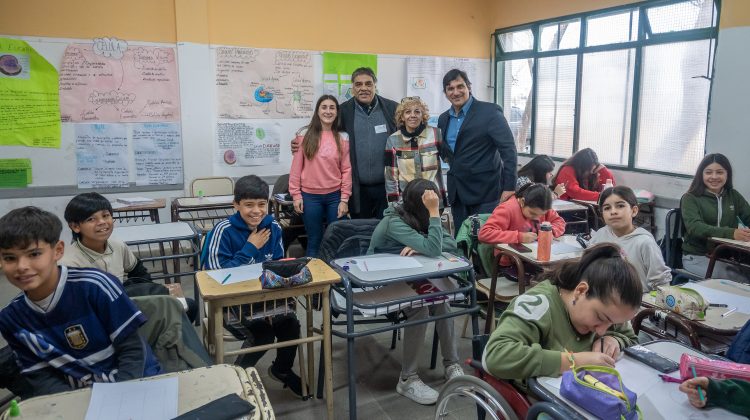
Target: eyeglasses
[411,98]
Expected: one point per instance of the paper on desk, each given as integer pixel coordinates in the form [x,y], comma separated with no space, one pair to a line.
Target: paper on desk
[564,248]
[135,200]
[219,199]
[146,400]
[718,296]
[237,274]
[387,263]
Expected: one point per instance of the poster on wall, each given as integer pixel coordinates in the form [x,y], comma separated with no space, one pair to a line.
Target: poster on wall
[424,78]
[29,100]
[102,155]
[264,83]
[111,81]
[338,69]
[157,151]
[248,143]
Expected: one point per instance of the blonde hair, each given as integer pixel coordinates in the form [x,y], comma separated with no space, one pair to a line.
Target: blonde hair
[407,102]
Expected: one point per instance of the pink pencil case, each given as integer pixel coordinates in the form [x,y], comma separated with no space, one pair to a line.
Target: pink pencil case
[716,369]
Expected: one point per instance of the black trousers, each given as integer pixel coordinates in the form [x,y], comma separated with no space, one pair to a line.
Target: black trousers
[462,211]
[263,331]
[372,202]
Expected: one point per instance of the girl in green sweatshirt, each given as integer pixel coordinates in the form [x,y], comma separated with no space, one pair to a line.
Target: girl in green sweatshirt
[730,394]
[713,208]
[581,314]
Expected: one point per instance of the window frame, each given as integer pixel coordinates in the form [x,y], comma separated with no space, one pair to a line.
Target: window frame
[645,37]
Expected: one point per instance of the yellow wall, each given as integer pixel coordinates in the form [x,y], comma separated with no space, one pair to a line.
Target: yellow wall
[734,13]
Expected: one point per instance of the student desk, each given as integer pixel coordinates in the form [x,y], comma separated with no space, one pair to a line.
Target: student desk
[197,387]
[727,246]
[656,399]
[150,210]
[576,216]
[518,259]
[177,233]
[714,324]
[218,297]
[352,276]
[202,212]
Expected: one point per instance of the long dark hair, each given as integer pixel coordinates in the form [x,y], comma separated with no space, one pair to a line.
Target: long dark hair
[698,187]
[413,211]
[608,274]
[311,141]
[582,161]
[535,195]
[537,169]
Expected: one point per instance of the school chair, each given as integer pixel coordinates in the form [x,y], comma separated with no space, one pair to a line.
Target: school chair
[214,185]
[672,247]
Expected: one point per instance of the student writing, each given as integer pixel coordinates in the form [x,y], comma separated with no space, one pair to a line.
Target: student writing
[731,394]
[583,176]
[540,169]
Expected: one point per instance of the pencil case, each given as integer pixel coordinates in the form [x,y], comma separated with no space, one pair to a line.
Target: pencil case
[280,274]
[600,391]
[716,369]
[683,301]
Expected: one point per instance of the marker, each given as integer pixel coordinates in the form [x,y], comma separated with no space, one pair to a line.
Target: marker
[729,312]
[718,305]
[226,278]
[700,391]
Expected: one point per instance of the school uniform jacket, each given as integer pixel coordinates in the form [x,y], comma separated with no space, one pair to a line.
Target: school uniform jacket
[392,234]
[227,244]
[711,215]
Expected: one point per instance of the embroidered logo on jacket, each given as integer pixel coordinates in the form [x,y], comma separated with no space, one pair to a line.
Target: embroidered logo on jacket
[531,307]
[76,337]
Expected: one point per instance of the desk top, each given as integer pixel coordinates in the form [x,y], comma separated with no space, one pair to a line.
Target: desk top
[210,201]
[733,322]
[739,244]
[153,232]
[157,203]
[210,289]
[563,205]
[530,257]
[197,387]
[656,399]
[431,267]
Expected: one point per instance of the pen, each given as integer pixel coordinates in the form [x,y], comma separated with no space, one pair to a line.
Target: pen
[226,278]
[602,341]
[727,313]
[700,391]
[718,305]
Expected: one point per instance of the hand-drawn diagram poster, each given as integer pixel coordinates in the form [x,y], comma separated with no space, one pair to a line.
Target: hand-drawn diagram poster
[248,144]
[264,83]
[424,78]
[111,81]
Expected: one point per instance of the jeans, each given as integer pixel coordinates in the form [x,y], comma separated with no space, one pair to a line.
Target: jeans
[317,209]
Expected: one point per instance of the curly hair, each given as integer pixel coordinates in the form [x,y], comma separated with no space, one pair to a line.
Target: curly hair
[407,102]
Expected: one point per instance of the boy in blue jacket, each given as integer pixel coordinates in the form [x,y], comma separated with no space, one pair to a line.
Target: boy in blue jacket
[252,236]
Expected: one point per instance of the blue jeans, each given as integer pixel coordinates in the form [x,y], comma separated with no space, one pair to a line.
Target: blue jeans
[317,209]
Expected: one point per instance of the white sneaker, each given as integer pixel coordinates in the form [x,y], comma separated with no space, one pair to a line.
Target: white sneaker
[416,390]
[451,371]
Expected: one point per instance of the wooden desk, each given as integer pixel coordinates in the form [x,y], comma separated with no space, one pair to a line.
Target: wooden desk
[218,297]
[202,212]
[713,324]
[138,211]
[197,387]
[656,399]
[518,259]
[727,246]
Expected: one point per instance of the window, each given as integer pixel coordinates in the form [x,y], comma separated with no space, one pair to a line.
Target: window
[631,82]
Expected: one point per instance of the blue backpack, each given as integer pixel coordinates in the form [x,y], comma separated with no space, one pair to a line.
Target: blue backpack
[739,350]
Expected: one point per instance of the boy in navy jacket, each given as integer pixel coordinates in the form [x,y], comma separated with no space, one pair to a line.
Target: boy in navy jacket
[252,236]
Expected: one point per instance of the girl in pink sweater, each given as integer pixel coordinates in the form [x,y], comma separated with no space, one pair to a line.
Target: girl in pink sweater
[320,180]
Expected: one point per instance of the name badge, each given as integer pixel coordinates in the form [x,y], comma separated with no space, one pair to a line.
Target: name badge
[380,129]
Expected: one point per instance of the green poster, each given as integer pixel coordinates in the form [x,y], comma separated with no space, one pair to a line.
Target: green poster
[15,173]
[29,97]
[338,69]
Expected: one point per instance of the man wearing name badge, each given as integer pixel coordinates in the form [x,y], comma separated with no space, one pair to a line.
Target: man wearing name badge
[479,148]
[368,119]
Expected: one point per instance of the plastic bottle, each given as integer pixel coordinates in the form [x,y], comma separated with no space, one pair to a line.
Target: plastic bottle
[200,194]
[607,184]
[544,250]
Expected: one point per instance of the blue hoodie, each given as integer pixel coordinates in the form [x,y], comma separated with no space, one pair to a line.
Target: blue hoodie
[227,245]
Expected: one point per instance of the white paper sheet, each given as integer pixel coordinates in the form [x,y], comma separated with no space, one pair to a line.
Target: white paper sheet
[145,400]
[237,274]
[738,301]
[135,200]
[564,248]
[387,263]
[157,149]
[219,199]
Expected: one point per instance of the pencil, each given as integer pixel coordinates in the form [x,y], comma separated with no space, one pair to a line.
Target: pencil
[700,391]
[602,341]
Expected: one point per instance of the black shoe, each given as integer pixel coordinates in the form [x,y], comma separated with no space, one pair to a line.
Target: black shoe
[289,379]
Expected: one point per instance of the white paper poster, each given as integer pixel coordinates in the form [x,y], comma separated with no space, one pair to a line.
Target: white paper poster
[158,153]
[424,78]
[264,83]
[248,143]
[102,155]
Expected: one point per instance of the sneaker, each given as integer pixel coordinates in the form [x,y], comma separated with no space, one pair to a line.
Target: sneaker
[416,390]
[452,371]
[290,380]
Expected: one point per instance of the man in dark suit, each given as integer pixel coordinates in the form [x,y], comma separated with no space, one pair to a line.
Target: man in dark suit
[479,148]
[369,119]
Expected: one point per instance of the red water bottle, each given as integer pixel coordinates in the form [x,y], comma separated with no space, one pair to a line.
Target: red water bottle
[544,248]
